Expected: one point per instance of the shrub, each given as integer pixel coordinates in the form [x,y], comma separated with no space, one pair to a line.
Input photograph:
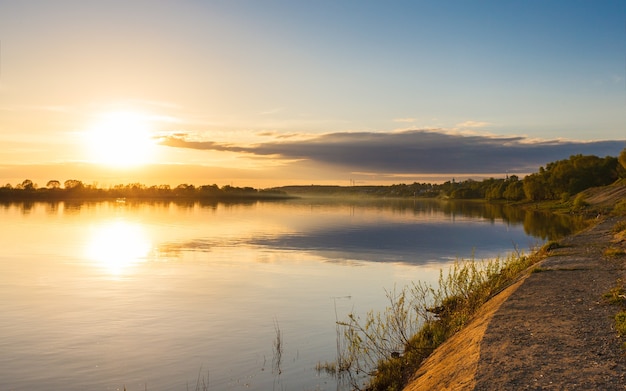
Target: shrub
[580,202]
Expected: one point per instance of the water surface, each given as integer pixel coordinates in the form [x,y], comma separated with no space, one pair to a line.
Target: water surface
[108,295]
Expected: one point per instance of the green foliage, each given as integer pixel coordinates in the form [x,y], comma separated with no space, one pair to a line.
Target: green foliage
[622,161]
[620,322]
[580,202]
[617,294]
[571,176]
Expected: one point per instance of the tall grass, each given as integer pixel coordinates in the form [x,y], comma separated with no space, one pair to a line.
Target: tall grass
[381,350]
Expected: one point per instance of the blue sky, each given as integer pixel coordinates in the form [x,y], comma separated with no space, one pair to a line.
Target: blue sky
[245,76]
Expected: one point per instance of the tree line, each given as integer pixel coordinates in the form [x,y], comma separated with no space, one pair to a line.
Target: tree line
[557,180]
[76,189]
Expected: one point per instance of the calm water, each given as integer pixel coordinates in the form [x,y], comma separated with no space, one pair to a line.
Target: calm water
[108,295]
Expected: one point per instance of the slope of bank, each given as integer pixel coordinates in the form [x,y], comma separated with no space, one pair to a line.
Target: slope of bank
[551,330]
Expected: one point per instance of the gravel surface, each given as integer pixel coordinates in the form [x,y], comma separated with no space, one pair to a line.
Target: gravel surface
[556,331]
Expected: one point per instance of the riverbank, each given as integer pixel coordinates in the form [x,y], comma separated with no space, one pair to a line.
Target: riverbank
[553,329]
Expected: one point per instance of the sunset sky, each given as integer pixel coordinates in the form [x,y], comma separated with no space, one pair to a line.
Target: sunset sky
[264,93]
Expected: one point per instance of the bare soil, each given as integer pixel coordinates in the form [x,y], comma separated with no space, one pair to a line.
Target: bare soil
[553,330]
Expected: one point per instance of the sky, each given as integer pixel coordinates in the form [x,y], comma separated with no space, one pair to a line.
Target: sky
[266,93]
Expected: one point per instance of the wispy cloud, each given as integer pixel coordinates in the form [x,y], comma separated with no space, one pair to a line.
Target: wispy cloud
[473,124]
[415,151]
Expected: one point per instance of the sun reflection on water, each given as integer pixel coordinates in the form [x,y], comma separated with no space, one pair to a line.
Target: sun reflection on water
[117,246]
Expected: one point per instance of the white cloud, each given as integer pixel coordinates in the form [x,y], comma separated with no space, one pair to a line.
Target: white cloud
[473,124]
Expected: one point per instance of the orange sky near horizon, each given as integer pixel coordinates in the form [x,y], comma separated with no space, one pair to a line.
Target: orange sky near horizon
[268,94]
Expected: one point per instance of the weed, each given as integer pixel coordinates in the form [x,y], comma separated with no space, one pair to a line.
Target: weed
[617,294]
[620,322]
[389,346]
[580,202]
[278,349]
[614,252]
[328,367]
[551,245]
[619,227]
[620,208]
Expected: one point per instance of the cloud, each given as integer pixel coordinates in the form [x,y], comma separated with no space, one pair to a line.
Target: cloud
[415,151]
[473,124]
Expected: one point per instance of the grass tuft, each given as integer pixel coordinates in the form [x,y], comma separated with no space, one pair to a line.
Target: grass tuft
[620,322]
[614,252]
[617,294]
[620,208]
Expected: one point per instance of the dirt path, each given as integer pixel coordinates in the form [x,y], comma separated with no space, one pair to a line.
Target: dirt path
[555,332]
[551,331]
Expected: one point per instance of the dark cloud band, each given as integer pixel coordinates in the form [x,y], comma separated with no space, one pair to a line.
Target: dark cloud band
[417,151]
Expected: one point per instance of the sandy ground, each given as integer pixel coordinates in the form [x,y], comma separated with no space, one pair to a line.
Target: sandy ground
[551,331]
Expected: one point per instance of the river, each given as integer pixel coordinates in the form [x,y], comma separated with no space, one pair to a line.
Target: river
[169,296]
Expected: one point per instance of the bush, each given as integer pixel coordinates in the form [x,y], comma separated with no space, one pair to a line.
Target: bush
[580,202]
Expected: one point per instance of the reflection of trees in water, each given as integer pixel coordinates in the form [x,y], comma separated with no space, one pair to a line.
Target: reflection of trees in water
[539,224]
[552,226]
[545,225]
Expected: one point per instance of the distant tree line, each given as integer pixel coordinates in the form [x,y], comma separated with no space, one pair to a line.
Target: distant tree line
[76,189]
[557,180]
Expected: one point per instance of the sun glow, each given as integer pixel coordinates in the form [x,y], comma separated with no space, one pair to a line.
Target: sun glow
[117,246]
[120,139]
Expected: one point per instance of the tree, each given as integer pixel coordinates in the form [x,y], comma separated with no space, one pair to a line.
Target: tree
[514,190]
[27,184]
[535,187]
[53,184]
[570,176]
[622,161]
[73,184]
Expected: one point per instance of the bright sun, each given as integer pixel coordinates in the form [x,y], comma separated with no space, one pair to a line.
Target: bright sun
[120,139]
[118,245]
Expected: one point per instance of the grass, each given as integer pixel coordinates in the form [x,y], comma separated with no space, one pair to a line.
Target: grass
[619,227]
[617,296]
[620,208]
[614,252]
[383,349]
[620,322]
[278,350]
